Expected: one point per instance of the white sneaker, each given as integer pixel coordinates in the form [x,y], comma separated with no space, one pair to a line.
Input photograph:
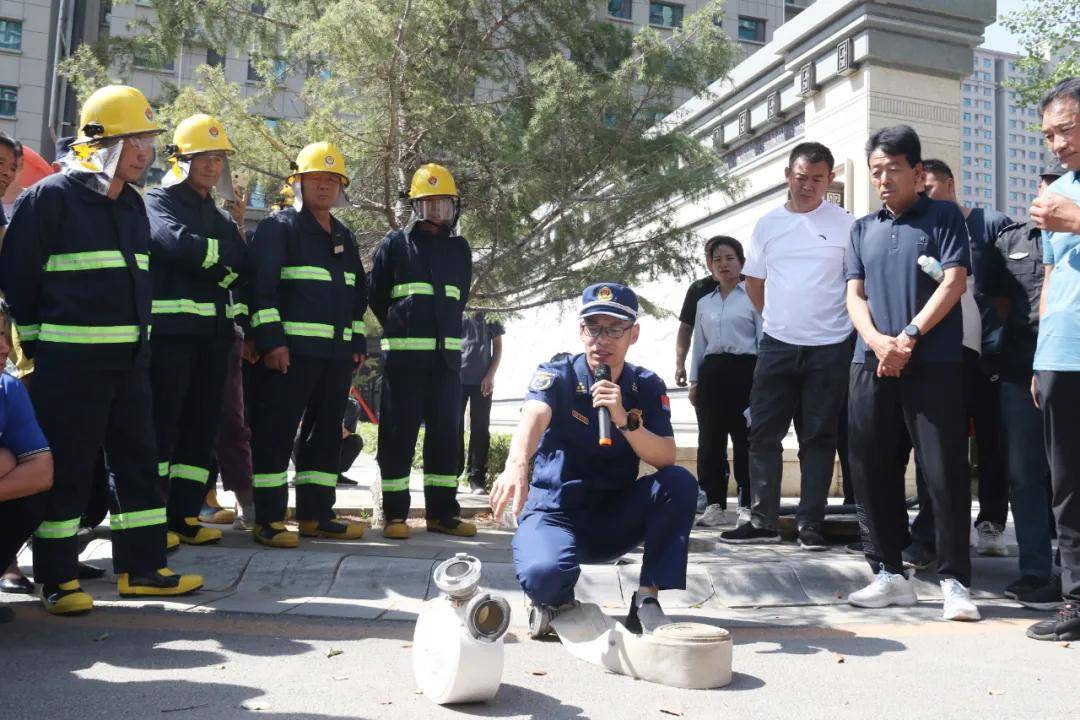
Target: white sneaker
[714,516]
[957,605]
[245,517]
[990,539]
[886,589]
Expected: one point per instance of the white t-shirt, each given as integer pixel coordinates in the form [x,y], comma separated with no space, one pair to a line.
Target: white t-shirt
[800,256]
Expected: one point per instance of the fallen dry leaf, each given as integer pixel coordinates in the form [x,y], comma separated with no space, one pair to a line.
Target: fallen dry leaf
[838,657]
[538,672]
[384,701]
[333,652]
[839,595]
[996,692]
[613,606]
[406,645]
[1064,644]
[102,636]
[670,710]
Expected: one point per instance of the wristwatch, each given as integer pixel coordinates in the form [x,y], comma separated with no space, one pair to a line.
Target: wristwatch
[913,332]
[633,422]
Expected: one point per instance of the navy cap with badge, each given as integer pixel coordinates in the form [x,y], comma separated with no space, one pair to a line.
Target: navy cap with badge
[609,299]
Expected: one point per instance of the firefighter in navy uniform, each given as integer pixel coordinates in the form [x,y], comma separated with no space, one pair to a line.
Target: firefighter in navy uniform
[419,285]
[196,256]
[583,499]
[75,269]
[307,300]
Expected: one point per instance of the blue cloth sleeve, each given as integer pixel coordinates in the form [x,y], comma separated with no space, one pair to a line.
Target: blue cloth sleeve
[657,411]
[954,242]
[544,385]
[21,433]
[853,267]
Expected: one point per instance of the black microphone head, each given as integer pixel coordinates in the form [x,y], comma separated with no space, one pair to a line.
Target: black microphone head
[603,372]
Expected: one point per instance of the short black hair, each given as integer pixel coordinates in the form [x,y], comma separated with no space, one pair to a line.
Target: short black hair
[1064,90]
[896,140]
[938,167]
[12,143]
[712,243]
[812,152]
[5,318]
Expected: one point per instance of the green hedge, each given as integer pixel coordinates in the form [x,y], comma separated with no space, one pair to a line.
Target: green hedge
[500,448]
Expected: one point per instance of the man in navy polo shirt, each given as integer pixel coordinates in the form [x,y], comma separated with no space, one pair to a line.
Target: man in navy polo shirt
[907,373]
[586,503]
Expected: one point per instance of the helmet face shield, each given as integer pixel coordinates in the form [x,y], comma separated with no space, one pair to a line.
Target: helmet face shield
[180,170]
[439,210]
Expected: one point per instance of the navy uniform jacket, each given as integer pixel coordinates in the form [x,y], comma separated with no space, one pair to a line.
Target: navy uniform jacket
[419,284]
[74,268]
[1014,275]
[571,471]
[307,288]
[196,256]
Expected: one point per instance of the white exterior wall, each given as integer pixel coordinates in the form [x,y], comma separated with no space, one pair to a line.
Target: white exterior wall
[26,69]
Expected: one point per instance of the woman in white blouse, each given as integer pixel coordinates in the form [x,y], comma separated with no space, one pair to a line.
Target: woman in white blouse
[727,330]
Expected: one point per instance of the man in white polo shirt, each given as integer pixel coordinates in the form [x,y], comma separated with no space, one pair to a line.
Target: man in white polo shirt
[795,276]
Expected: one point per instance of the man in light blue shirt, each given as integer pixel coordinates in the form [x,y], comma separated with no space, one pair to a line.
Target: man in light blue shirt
[1056,385]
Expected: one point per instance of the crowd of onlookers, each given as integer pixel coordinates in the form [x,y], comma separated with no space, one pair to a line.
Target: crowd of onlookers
[906,330]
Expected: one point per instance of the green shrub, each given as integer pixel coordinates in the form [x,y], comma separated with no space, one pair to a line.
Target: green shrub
[497,454]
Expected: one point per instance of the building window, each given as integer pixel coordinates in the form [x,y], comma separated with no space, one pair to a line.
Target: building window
[280,70]
[751,29]
[967,145]
[9,97]
[10,35]
[665,15]
[987,62]
[214,58]
[967,102]
[620,8]
[150,63]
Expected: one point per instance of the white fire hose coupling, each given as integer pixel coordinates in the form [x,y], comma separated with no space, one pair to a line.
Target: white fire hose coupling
[458,640]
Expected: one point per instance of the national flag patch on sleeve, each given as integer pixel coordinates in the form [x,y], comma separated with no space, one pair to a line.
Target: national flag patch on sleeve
[665,403]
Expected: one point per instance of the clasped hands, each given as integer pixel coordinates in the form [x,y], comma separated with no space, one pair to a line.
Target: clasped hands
[893,353]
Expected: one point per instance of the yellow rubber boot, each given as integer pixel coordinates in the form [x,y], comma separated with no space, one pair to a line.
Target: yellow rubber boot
[452,526]
[172,541]
[275,535]
[213,513]
[396,530]
[334,529]
[161,582]
[67,598]
[192,533]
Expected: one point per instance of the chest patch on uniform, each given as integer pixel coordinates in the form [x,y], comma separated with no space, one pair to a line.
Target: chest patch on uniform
[541,380]
[581,389]
[579,417]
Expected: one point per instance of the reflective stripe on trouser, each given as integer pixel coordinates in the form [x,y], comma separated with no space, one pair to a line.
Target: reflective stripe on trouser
[316,390]
[188,377]
[409,398]
[82,409]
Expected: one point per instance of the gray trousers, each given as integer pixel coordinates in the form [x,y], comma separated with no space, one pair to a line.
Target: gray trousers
[807,384]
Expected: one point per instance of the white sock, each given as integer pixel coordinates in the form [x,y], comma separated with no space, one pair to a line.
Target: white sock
[642,594]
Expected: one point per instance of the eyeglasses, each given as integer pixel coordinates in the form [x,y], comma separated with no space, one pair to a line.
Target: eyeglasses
[613,332]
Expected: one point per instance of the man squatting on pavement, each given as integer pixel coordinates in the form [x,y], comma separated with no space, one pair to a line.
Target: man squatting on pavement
[586,503]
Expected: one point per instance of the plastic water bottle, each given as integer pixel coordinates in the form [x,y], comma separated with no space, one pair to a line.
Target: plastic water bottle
[932,267]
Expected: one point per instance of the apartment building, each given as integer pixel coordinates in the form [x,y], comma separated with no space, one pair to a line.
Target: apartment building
[1002,151]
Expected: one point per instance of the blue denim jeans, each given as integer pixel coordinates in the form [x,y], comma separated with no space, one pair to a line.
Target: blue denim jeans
[1029,476]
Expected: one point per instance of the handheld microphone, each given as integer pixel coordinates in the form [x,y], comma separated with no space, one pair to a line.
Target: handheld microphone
[603,372]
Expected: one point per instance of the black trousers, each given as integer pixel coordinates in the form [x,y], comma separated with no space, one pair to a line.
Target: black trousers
[723,394]
[350,450]
[313,389]
[188,377]
[18,520]
[475,463]
[409,398]
[927,401]
[983,409]
[82,410]
[792,380]
[1059,398]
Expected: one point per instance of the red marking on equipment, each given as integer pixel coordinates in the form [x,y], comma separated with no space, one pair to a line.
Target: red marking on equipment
[149,113]
[433,181]
[665,402]
[213,131]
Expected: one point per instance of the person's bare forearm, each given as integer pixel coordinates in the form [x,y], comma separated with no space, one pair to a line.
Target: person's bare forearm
[682,344]
[859,311]
[1047,270]
[31,476]
[652,448]
[755,289]
[942,301]
[496,357]
[535,417]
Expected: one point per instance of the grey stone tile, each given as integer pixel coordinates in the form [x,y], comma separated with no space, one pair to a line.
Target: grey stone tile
[366,587]
[824,580]
[750,585]
[699,587]
[276,581]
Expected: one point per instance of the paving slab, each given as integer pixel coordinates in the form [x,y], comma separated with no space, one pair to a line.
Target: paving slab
[278,580]
[699,587]
[756,585]
[366,587]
